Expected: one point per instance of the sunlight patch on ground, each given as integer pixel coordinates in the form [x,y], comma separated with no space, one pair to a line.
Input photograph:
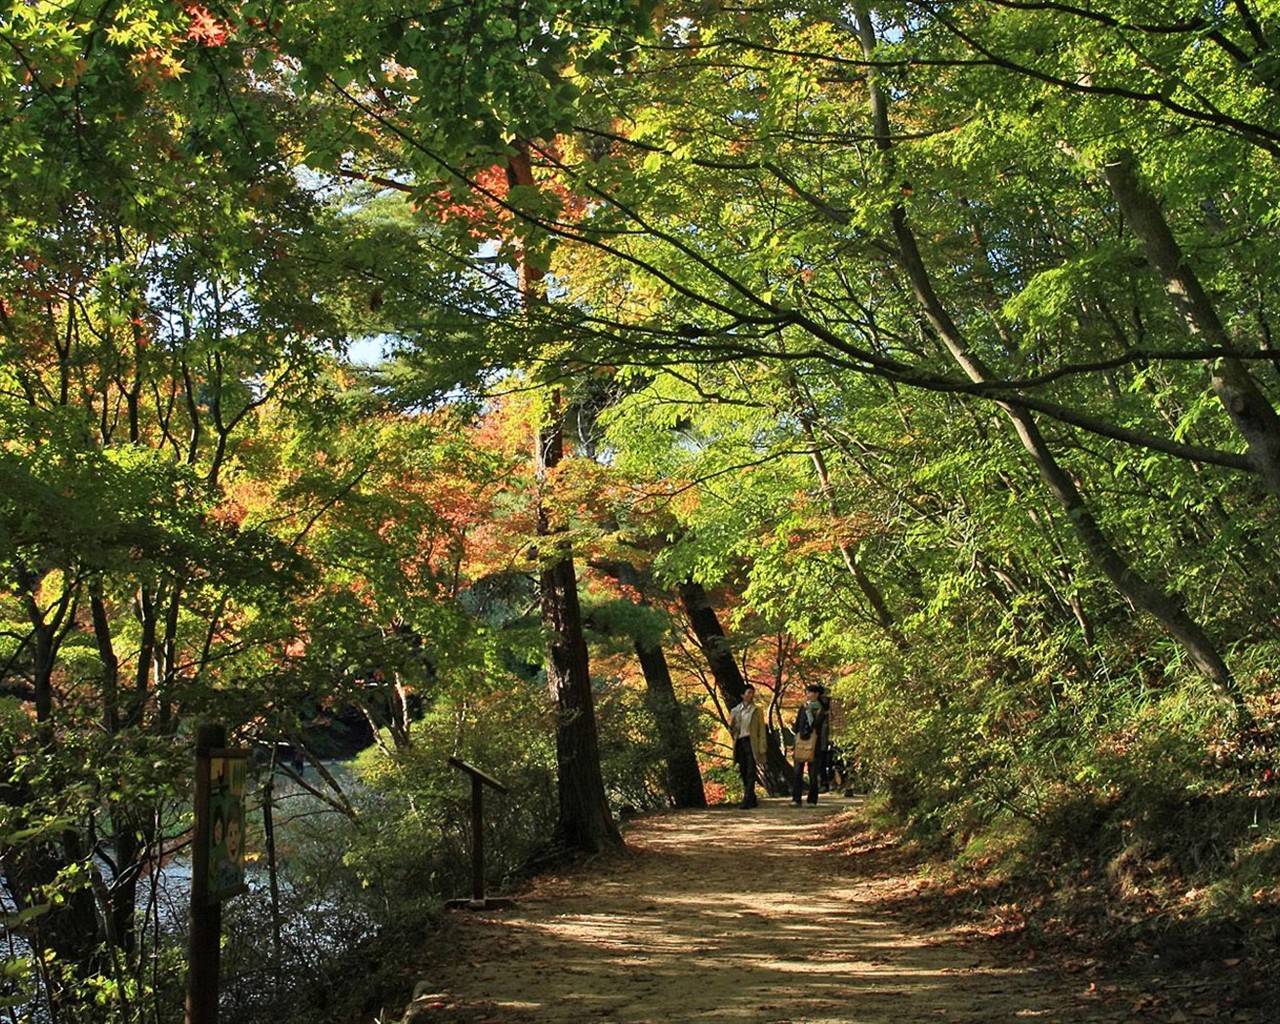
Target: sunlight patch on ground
[724,918]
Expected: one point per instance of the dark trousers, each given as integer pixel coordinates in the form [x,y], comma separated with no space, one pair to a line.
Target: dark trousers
[746,759]
[797,783]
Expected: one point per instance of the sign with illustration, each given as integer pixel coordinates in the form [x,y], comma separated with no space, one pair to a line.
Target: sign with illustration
[224,815]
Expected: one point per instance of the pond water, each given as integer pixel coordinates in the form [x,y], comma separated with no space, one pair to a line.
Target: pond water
[164,894]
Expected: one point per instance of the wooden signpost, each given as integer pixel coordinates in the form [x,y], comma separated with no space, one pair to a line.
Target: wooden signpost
[217,864]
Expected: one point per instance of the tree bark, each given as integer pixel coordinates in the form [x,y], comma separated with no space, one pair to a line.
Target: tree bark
[1142,594]
[729,681]
[713,642]
[48,629]
[684,777]
[1250,411]
[585,821]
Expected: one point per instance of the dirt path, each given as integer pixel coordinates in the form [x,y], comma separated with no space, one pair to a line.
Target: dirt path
[721,915]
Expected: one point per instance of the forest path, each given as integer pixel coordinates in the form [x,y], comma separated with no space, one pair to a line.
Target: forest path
[723,915]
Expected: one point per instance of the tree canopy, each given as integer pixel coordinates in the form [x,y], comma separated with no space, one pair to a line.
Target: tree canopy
[922,349]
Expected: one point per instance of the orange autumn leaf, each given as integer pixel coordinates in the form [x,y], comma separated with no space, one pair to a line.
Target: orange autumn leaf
[205,28]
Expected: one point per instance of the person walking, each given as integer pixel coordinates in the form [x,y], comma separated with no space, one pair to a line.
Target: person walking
[832,719]
[746,726]
[811,723]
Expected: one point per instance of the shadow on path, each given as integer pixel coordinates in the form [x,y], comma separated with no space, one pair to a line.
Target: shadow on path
[718,915]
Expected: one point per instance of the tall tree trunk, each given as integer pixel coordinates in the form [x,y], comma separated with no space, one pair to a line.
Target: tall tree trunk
[68,930]
[586,822]
[144,609]
[1141,593]
[1250,412]
[729,681]
[166,668]
[713,642]
[273,869]
[684,777]
[48,629]
[107,656]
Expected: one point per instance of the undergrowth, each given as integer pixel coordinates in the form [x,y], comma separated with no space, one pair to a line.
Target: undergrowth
[1158,837]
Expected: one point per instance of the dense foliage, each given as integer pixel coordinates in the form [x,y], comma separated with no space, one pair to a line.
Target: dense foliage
[932,341]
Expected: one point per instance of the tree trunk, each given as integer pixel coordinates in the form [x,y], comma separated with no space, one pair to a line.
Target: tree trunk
[273,869]
[1250,412]
[586,822]
[729,681]
[145,611]
[1142,594]
[129,837]
[107,655]
[48,629]
[713,642]
[684,779]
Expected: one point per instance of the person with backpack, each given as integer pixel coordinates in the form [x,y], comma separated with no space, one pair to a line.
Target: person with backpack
[832,720]
[811,739]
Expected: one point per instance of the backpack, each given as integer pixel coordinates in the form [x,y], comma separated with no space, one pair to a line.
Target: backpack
[803,727]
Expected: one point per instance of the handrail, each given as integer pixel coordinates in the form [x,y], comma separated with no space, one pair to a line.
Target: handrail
[476,773]
[479,780]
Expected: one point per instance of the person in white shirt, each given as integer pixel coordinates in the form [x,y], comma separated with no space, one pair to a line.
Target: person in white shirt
[746,726]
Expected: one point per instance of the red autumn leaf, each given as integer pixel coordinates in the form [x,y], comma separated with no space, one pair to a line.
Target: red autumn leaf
[205,28]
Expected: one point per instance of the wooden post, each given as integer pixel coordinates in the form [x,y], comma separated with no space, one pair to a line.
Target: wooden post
[478,781]
[205,940]
[477,839]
